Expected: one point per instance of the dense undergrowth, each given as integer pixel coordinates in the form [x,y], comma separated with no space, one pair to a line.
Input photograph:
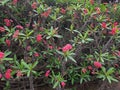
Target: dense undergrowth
[64,42]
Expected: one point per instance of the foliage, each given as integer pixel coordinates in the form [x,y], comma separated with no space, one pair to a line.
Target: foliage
[59,40]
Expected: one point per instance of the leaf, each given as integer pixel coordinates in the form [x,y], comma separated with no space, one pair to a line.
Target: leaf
[8,59]
[86,34]
[113,79]
[7,29]
[25,64]
[28,73]
[81,80]
[66,59]
[2,40]
[56,84]
[35,63]
[103,69]
[59,52]
[30,33]
[59,17]
[7,53]
[58,36]
[71,58]
[34,72]
[89,39]
[48,37]
[101,76]
[110,71]
[4,2]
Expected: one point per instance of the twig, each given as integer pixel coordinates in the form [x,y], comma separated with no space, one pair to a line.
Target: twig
[106,45]
[31,82]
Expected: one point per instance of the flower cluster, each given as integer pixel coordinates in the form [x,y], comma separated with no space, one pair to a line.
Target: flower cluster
[16,33]
[8,73]
[2,29]
[97,64]
[67,47]
[39,37]
[61,42]
[2,55]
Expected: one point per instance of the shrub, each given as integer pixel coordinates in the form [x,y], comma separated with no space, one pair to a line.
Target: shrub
[66,42]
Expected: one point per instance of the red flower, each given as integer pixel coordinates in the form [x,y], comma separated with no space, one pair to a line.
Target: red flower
[9,70]
[93,72]
[8,22]
[34,5]
[63,84]
[46,13]
[44,42]
[8,43]
[0,75]
[116,65]
[84,70]
[113,31]
[2,29]
[36,54]
[67,47]
[19,27]
[97,10]
[75,15]
[103,25]
[41,28]
[91,1]
[90,68]
[85,11]
[19,73]
[27,25]
[28,48]
[97,64]
[2,55]
[14,2]
[117,53]
[62,10]
[16,33]
[39,37]
[47,73]
[115,24]
[50,47]
[8,74]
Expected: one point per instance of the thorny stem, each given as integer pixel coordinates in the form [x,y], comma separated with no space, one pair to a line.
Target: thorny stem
[31,82]
[106,45]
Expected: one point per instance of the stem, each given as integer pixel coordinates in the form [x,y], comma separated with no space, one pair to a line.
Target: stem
[106,45]
[59,88]
[31,82]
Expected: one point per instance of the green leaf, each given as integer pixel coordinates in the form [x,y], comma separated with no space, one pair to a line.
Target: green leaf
[4,2]
[25,64]
[7,29]
[28,73]
[110,71]
[71,58]
[8,59]
[59,52]
[104,69]
[7,53]
[112,79]
[58,36]
[35,63]
[56,84]
[101,76]
[81,80]
[48,37]
[30,33]
[34,72]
